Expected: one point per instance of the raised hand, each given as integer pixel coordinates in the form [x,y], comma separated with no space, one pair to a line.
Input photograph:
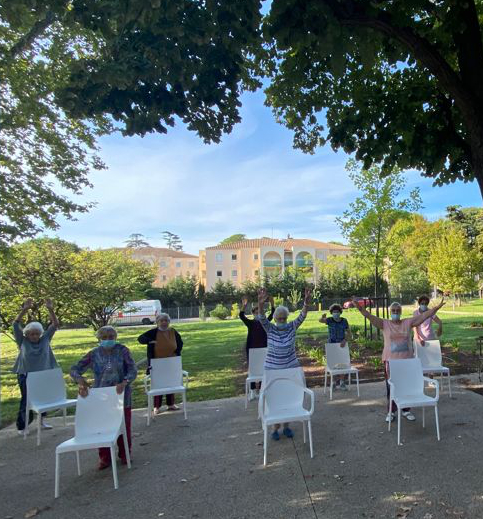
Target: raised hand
[49,304]
[324,316]
[262,295]
[244,301]
[28,304]
[308,296]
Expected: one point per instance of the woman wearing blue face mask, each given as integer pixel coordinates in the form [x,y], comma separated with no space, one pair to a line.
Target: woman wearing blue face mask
[397,342]
[112,365]
[424,332]
[281,342]
[338,332]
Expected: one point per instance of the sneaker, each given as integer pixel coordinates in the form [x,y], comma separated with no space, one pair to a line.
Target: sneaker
[46,426]
[408,415]
[173,408]
[103,465]
[275,436]
[251,396]
[21,432]
[288,432]
[390,417]
[342,385]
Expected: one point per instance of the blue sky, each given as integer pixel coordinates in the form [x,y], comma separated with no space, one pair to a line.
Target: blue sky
[254,182]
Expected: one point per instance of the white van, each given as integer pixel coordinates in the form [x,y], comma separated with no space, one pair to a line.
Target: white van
[137,312]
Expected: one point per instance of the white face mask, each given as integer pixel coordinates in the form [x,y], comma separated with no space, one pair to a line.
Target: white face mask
[281,326]
[423,308]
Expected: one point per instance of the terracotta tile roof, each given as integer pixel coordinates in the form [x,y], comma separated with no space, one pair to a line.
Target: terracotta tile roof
[161,252]
[287,244]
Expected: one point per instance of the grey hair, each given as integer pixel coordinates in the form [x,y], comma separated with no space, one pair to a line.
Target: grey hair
[33,326]
[163,316]
[280,310]
[106,329]
[395,305]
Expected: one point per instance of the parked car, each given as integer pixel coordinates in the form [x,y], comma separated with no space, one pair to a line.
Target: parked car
[137,312]
[362,302]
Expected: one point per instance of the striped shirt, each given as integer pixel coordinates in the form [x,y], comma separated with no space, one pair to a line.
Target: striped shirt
[281,343]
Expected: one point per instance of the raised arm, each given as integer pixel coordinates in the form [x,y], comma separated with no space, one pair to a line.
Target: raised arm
[77,371]
[49,304]
[373,319]
[272,308]
[242,314]
[17,328]
[26,306]
[419,319]
[439,322]
[303,314]
[323,319]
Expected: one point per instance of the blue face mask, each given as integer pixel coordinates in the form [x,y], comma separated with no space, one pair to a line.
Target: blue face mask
[423,308]
[395,317]
[281,326]
[108,343]
[336,315]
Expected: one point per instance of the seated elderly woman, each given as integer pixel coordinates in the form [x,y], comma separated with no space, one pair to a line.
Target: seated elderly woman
[112,365]
[397,342]
[35,354]
[162,341]
[281,342]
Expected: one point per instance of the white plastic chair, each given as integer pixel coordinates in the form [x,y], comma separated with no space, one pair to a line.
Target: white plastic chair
[256,360]
[406,384]
[281,401]
[338,363]
[99,421]
[166,377]
[46,392]
[432,361]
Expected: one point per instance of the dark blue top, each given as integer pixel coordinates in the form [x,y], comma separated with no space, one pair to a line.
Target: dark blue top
[337,329]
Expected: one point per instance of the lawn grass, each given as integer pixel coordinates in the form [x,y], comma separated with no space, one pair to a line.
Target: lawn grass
[213,353]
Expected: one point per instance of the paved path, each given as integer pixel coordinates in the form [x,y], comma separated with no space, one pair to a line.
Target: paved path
[211,466]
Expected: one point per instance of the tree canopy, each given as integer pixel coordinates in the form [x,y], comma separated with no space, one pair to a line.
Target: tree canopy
[233,239]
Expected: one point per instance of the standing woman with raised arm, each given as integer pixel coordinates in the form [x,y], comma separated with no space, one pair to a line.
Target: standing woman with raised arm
[35,354]
[397,342]
[281,352]
[256,336]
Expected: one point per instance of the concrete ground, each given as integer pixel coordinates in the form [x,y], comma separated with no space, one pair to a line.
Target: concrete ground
[211,466]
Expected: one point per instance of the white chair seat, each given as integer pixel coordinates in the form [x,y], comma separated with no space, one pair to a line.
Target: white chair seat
[435,369]
[166,390]
[93,441]
[415,401]
[59,404]
[287,415]
[341,371]
[338,363]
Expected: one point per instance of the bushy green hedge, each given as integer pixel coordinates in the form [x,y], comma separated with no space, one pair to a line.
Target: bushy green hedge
[220,312]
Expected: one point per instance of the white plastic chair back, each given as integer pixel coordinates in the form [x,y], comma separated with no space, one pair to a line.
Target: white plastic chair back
[100,412]
[283,393]
[45,387]
[256,360]
[407,377]
[337,357]
[430,353]
[166,372]
[294,374]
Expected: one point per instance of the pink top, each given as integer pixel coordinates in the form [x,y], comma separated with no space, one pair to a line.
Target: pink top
[397,339]
[425,330]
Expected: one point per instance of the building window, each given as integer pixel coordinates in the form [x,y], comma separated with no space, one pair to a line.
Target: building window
[255,257]
[233,257]
[178,264]
[191,264]
[256,272]
[219,273]
[219,257]
[163,264]
[234,273]
[164,278]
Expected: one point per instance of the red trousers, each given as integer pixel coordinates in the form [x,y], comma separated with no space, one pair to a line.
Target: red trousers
[158,400]
[105,452]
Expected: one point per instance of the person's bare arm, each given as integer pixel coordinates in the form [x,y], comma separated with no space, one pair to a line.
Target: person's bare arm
[50,307]
[373,319]
[262,297]
[439,322]
[26,306]
[419,319]
[323,319]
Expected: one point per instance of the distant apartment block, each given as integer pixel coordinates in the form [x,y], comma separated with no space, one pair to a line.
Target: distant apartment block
[169,263]
[247,259]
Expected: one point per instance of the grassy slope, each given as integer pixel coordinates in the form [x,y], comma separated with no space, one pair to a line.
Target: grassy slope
[213,352]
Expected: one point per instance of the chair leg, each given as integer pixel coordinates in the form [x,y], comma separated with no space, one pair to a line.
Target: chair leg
[126,448]
[39,423]
[265,446]
[26,426]
[149,409]
[357,382]
[310,439]
[399,425]
[246,394]
[349,380]
[390,411]
[64,412]
[57,475]
[184,406]
[331,384]
[114,467]
[441,381]
[424,424]
[304,425]
[325,380]
[449,385]
[77,456]
[437,421]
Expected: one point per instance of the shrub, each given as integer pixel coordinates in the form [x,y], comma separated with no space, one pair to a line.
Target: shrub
[376,362]
[220,312]
[235,310]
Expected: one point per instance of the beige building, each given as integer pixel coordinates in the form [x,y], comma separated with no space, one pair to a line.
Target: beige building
[169,263]
[248,259]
